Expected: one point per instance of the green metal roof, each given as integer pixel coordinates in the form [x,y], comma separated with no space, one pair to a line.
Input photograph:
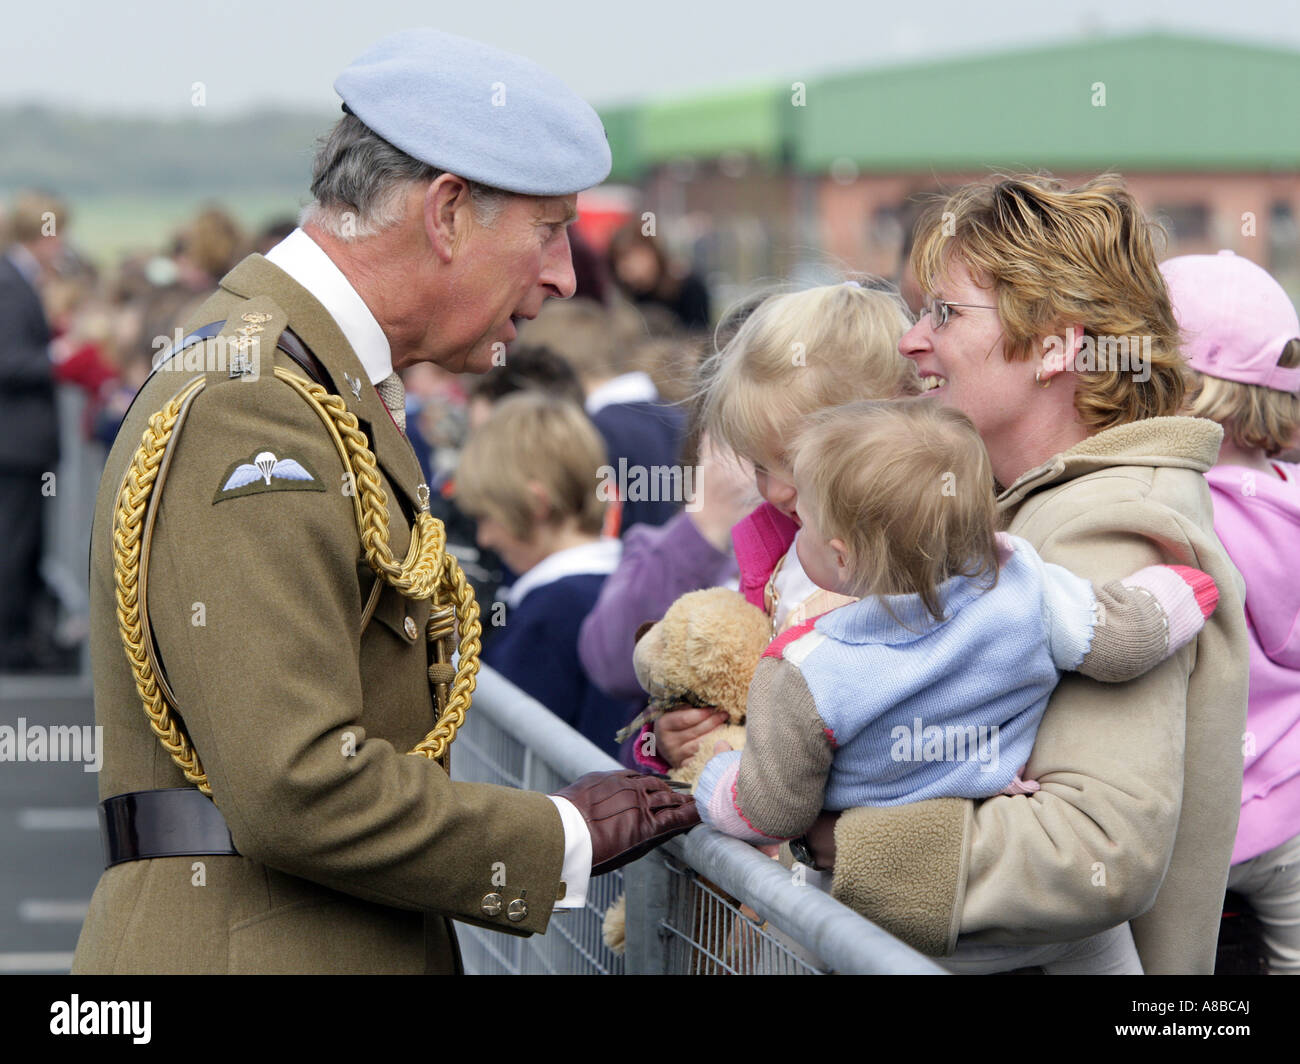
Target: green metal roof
[748,120]
[1172,102]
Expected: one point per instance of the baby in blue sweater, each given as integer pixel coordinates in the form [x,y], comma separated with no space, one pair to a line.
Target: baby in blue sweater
[934,682]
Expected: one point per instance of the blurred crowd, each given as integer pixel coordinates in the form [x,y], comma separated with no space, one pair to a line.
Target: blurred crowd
[70,325]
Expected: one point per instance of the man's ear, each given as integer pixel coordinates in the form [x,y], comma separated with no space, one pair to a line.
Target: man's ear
[447,214]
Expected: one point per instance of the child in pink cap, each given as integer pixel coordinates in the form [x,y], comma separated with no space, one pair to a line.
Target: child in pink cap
[1242,339]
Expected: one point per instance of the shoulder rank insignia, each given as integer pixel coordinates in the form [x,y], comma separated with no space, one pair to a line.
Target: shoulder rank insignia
[265,472]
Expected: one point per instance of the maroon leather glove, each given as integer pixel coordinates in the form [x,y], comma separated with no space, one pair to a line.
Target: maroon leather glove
[628,815]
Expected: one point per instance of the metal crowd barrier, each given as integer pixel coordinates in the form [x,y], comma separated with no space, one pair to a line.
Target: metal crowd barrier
[67,527]
[684,913]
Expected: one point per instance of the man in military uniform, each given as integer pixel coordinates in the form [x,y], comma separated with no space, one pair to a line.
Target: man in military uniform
[296,672]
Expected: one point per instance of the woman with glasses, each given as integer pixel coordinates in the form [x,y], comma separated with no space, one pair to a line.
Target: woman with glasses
[1049,325]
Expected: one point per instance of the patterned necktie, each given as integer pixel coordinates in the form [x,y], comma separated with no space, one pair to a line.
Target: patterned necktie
[394,396]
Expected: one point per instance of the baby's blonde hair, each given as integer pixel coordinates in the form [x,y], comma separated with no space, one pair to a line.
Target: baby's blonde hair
[801,352]
[907,485]
[533,438]
[1253,417]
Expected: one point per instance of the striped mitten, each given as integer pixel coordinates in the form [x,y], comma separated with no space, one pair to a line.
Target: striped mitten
[1146,617]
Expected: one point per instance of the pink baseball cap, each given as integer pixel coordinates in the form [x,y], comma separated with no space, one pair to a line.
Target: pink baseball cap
[1235,319]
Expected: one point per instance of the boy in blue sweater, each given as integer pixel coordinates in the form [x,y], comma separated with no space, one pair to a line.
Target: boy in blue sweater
[528,475]
[934,682]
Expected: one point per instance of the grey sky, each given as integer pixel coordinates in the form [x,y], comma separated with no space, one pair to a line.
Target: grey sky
[144,56]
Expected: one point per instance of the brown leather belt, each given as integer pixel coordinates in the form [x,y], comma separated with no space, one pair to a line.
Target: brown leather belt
[176,822]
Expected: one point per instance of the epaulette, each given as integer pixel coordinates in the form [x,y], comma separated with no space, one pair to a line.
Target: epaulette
[241,347]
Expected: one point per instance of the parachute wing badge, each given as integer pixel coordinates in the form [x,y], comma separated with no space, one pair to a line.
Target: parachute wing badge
[265,472]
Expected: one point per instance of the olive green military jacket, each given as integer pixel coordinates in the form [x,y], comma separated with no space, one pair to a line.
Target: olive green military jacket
[353,854]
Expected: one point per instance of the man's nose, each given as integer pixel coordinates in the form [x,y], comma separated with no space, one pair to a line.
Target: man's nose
[557,273]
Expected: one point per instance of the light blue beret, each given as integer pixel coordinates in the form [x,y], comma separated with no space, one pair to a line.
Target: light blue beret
[478,112]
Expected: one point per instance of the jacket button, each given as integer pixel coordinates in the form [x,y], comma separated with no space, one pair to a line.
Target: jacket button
[517,910]
[409,627]
[492,904]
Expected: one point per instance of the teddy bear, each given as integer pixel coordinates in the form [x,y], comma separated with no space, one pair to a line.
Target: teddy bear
[703,653]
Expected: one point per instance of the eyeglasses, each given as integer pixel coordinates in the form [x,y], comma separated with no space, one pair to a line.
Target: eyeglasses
[938,310]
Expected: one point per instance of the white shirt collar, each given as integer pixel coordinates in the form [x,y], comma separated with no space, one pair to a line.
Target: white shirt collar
[600,558]
[628,388]
[305,261]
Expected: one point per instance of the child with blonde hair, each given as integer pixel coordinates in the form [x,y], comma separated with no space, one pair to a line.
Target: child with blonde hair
[1242,341]
[934,682]
[798,354]
[794,354]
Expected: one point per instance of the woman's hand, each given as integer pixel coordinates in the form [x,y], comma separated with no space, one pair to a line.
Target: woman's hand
[679,731]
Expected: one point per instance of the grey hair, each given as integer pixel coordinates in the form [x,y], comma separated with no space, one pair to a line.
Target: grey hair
[360,181]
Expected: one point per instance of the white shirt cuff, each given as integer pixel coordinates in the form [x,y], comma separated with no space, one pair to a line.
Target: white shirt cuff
[576,872]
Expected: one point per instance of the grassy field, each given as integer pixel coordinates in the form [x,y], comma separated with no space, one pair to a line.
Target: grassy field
[106,228]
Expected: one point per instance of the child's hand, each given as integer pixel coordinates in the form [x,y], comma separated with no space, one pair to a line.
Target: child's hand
[1145,618]
[726,493]
[721,747]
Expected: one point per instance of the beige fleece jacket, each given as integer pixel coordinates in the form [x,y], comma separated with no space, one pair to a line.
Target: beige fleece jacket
[1140,782]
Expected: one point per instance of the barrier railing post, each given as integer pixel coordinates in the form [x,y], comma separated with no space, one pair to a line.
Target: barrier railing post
[647,882]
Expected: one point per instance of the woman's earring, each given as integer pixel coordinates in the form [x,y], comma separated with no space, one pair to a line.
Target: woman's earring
[1038,378]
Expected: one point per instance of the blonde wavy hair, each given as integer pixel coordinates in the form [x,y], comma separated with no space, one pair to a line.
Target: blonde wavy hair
[533,448]
[1058,257]
[1253,417]
[908,486]
[800,352]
